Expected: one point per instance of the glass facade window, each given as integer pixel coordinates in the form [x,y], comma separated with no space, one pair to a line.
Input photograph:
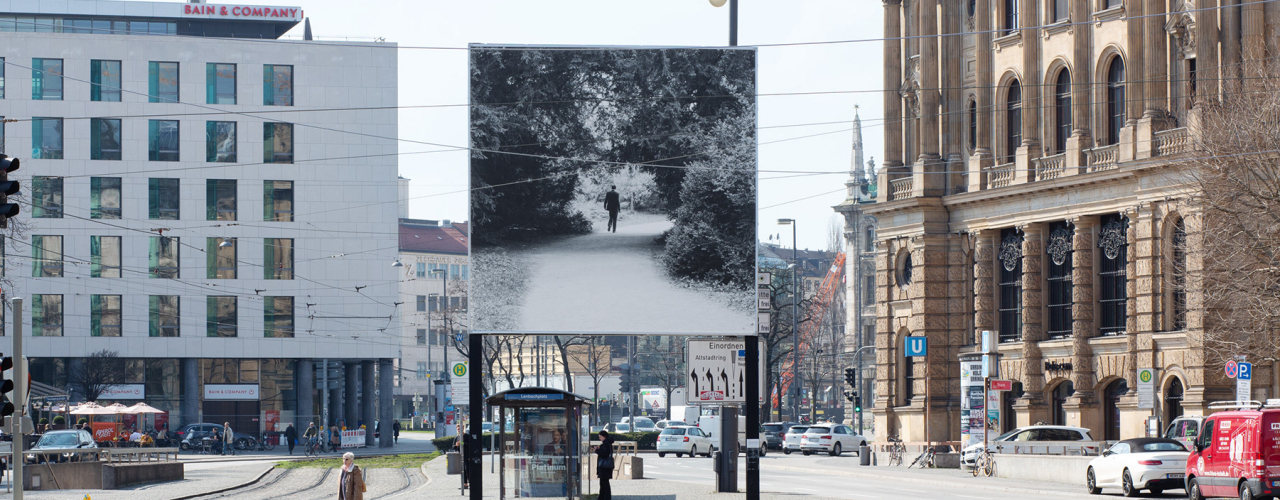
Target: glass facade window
[422,303]
[162,140]
[105,316]
[220,142]
[221,257]
[908,379]
[421,269]
[104,198]
[1061,10]
[1059,252]
[1,78]
[278,258]
[1010,21]
[2,150]
[46,256]
[46,79]
[973,126]
[1115,100]
[104,81]
[422,370]
[46,138]
[104,256]
[163,199]
[46,197]
[1113,243]
[1010,286]
[220,83]
[104,138]
[277,85]
[277,201]
[221,316]
[163,257]
[277,143]
[277,319]
[1013,121]
[220,200]
[422,336]
[46,315]
[164,316]
[162,81]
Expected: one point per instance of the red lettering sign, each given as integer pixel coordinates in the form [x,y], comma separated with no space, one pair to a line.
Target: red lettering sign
[1002,385]
[239,11]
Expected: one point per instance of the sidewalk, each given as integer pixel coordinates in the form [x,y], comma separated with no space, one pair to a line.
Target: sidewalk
[410,443]
[954,478]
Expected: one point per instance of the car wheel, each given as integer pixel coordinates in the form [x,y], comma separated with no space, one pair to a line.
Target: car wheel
[806,452]
[711,451]
[786,451]
[693,451]
[662,455]
[835,450]
[764,450]
[1126,485]
[1091,483]
[183,446]
[1193,490]
[1245,492]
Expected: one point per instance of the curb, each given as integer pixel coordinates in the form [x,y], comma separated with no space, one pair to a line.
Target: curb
[229,488]
[934,481]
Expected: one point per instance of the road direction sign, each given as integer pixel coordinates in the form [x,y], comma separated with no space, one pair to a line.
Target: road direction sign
[717,371]
[1146,388]
[1231,369]
[917,346]
[460,381]
[1244,381]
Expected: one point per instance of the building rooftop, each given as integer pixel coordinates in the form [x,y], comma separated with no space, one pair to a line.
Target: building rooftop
[419,235]
[133,18]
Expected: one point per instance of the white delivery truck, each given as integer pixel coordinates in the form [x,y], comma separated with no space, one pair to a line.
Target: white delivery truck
[709,422]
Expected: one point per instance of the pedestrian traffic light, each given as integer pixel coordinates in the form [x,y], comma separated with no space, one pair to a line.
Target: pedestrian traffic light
[7,187]
[850,377]
[6,387]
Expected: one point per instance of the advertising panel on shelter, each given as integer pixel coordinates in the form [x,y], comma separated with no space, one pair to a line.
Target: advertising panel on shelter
[613,190]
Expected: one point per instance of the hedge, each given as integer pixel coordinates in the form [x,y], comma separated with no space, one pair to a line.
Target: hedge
[644,440]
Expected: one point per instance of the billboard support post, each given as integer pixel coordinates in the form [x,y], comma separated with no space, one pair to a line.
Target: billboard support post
[476,412]
[753,418]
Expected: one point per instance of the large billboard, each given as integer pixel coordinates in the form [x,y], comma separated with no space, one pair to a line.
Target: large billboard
[613,190]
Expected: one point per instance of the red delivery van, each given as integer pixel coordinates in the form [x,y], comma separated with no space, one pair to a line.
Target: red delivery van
[1236,455]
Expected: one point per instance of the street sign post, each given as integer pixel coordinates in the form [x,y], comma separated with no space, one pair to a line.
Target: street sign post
[1002,385]
[718,371]
[461,383]
[1231,368]
[1146,388]
[1244,381]
[918,347]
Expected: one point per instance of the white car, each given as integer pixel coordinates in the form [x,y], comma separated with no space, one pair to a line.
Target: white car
[792,439]
[1026,434]
[663,424]
[683,440]
[830,438]
[1184,429]
[1155,464]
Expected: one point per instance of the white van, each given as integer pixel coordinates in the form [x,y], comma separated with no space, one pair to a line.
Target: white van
[710,424]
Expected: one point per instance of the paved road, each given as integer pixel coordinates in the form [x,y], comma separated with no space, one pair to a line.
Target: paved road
[612,282]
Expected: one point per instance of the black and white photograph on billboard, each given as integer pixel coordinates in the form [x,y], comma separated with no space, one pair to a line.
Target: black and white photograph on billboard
[613,189]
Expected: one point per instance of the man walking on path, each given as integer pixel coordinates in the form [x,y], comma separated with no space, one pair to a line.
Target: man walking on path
[395,427]
[612,204]
[227,437]
[291,437]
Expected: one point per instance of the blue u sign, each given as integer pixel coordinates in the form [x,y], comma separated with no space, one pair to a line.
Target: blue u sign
[917,346]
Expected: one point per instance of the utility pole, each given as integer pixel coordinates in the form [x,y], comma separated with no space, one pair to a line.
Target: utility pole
[19,397]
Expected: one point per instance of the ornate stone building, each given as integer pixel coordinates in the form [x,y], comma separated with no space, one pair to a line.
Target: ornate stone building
[1027,190]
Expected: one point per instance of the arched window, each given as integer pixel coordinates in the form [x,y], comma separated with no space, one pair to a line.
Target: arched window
[1013,121]
[1113,243]
[1010,285]
[1173,400]
[1060,395]
[908,373]
[1111,408]
[1062,110]
[1179,258]
[1115,100]
[973,126]
[1060,10]
[1010,17]
[1059,252]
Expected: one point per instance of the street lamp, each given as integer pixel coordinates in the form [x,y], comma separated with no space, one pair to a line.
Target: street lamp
[733,19]
[795,331]
[444,275]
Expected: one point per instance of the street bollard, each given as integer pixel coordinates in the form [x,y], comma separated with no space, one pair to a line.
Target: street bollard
[864,455]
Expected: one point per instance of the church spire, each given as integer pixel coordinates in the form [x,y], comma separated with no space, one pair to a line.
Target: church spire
[857,173]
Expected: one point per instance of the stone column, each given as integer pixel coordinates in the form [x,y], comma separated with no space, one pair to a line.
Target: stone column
[929,82]
[350,408]
[1207,50]
[306,402]
[366,404]
[1081,75]
[190,391]
[892,101]
[981,157]
[1082,297]
[1029,20]
[1231,57]
[386,392]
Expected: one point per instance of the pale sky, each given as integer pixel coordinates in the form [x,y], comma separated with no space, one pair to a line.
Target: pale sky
[850,71]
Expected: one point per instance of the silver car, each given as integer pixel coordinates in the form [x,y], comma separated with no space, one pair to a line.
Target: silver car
[69,441]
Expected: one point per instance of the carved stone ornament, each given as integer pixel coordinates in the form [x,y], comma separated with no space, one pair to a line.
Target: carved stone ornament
[1182,25]
[1112,238]
[1059,245]
[910,93]
[1011,251]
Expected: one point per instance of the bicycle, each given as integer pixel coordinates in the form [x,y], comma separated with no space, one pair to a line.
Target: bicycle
[313,447]
[268,441]
[925,459]
[897,451]
[984,464]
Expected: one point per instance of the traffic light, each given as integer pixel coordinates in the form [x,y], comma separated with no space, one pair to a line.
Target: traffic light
[7,187]
[626,381]
[850,377]
[6,387]
[857,403]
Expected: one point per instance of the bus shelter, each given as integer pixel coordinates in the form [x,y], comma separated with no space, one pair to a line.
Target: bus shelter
[542,452]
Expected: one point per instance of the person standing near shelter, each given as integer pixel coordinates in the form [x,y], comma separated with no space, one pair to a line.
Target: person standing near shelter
[351,483]
[604,456]
[613,205]
[291,437]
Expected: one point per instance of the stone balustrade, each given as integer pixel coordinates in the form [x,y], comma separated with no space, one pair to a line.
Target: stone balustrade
[900,189]
[1000,175]
[1102,158]
[1050,167]
[1172,142]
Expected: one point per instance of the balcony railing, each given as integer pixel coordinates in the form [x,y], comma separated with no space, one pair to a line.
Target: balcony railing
[1000,175]
[1171,142]
[1050,167]
[900,189]
[1102,158]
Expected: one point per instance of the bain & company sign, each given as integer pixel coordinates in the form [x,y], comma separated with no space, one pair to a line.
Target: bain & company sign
[231,391]
[249,11]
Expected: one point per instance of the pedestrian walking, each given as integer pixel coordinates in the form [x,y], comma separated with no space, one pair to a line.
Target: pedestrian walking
[612,205]
[351,484]
[395,427]
[291,437]
[227,437]
[604,465]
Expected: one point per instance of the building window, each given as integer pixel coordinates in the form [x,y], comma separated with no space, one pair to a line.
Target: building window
[46,138]
[1061,392]
[973,126]
[220,199]
[46,79]
[46,195]
[104,139]
[422,370]
[1010,23]
[1179,274]
[104,198]
[1010,285]
[1062,110]
[220,142]
[163,257]
[870,244]
[277,201]
[422,303]
[277,319]
[868,290]
[104,316]
[46,315]
[1111,408]
[163,198]
[1,118]
[104,79]
[1115,100]
[1113,241]
[221,321]
[908,378]
[905,269]
[1,78]
[1013,121]
[104,256]
[220,83]
[1059,252]
[277,85]
[277,143]
[421,270]
[278,258]
[164,316]
[1114,3]
[162,140]
[1061,11]
[221,258]
[422,336]
[1173,400]
[46,256]
[162,81]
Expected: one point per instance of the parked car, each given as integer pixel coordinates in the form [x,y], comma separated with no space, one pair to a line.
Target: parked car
[617,427]
[70,440]
[773,433]
[793,437]
[189,435]
[683,440]
[663,424]
[1234,455]
[1185,429]
[833,439]
[1026,434]
[639,423]
[1155,464]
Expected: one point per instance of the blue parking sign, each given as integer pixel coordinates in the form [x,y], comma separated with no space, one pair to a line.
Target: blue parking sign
[1246,371]
[917,346]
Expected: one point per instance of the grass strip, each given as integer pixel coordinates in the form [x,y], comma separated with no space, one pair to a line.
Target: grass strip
[379,462]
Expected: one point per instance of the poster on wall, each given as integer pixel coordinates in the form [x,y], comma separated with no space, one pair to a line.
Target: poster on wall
[613,190]
[971,385]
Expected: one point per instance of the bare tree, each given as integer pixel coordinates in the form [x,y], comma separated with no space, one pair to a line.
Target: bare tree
[596,363]
[778,341]
[835,234]
[98,373]
[665,362]
[563,343]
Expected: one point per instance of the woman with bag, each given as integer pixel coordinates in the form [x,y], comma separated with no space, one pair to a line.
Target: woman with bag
[604,465]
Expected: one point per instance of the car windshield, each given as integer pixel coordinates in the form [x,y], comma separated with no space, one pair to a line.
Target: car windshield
[797,429]
[671,431]
[644,424]
[818,430]
[1159,446]
[773,427]
[59,439]
[1006,435]
[624,428]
